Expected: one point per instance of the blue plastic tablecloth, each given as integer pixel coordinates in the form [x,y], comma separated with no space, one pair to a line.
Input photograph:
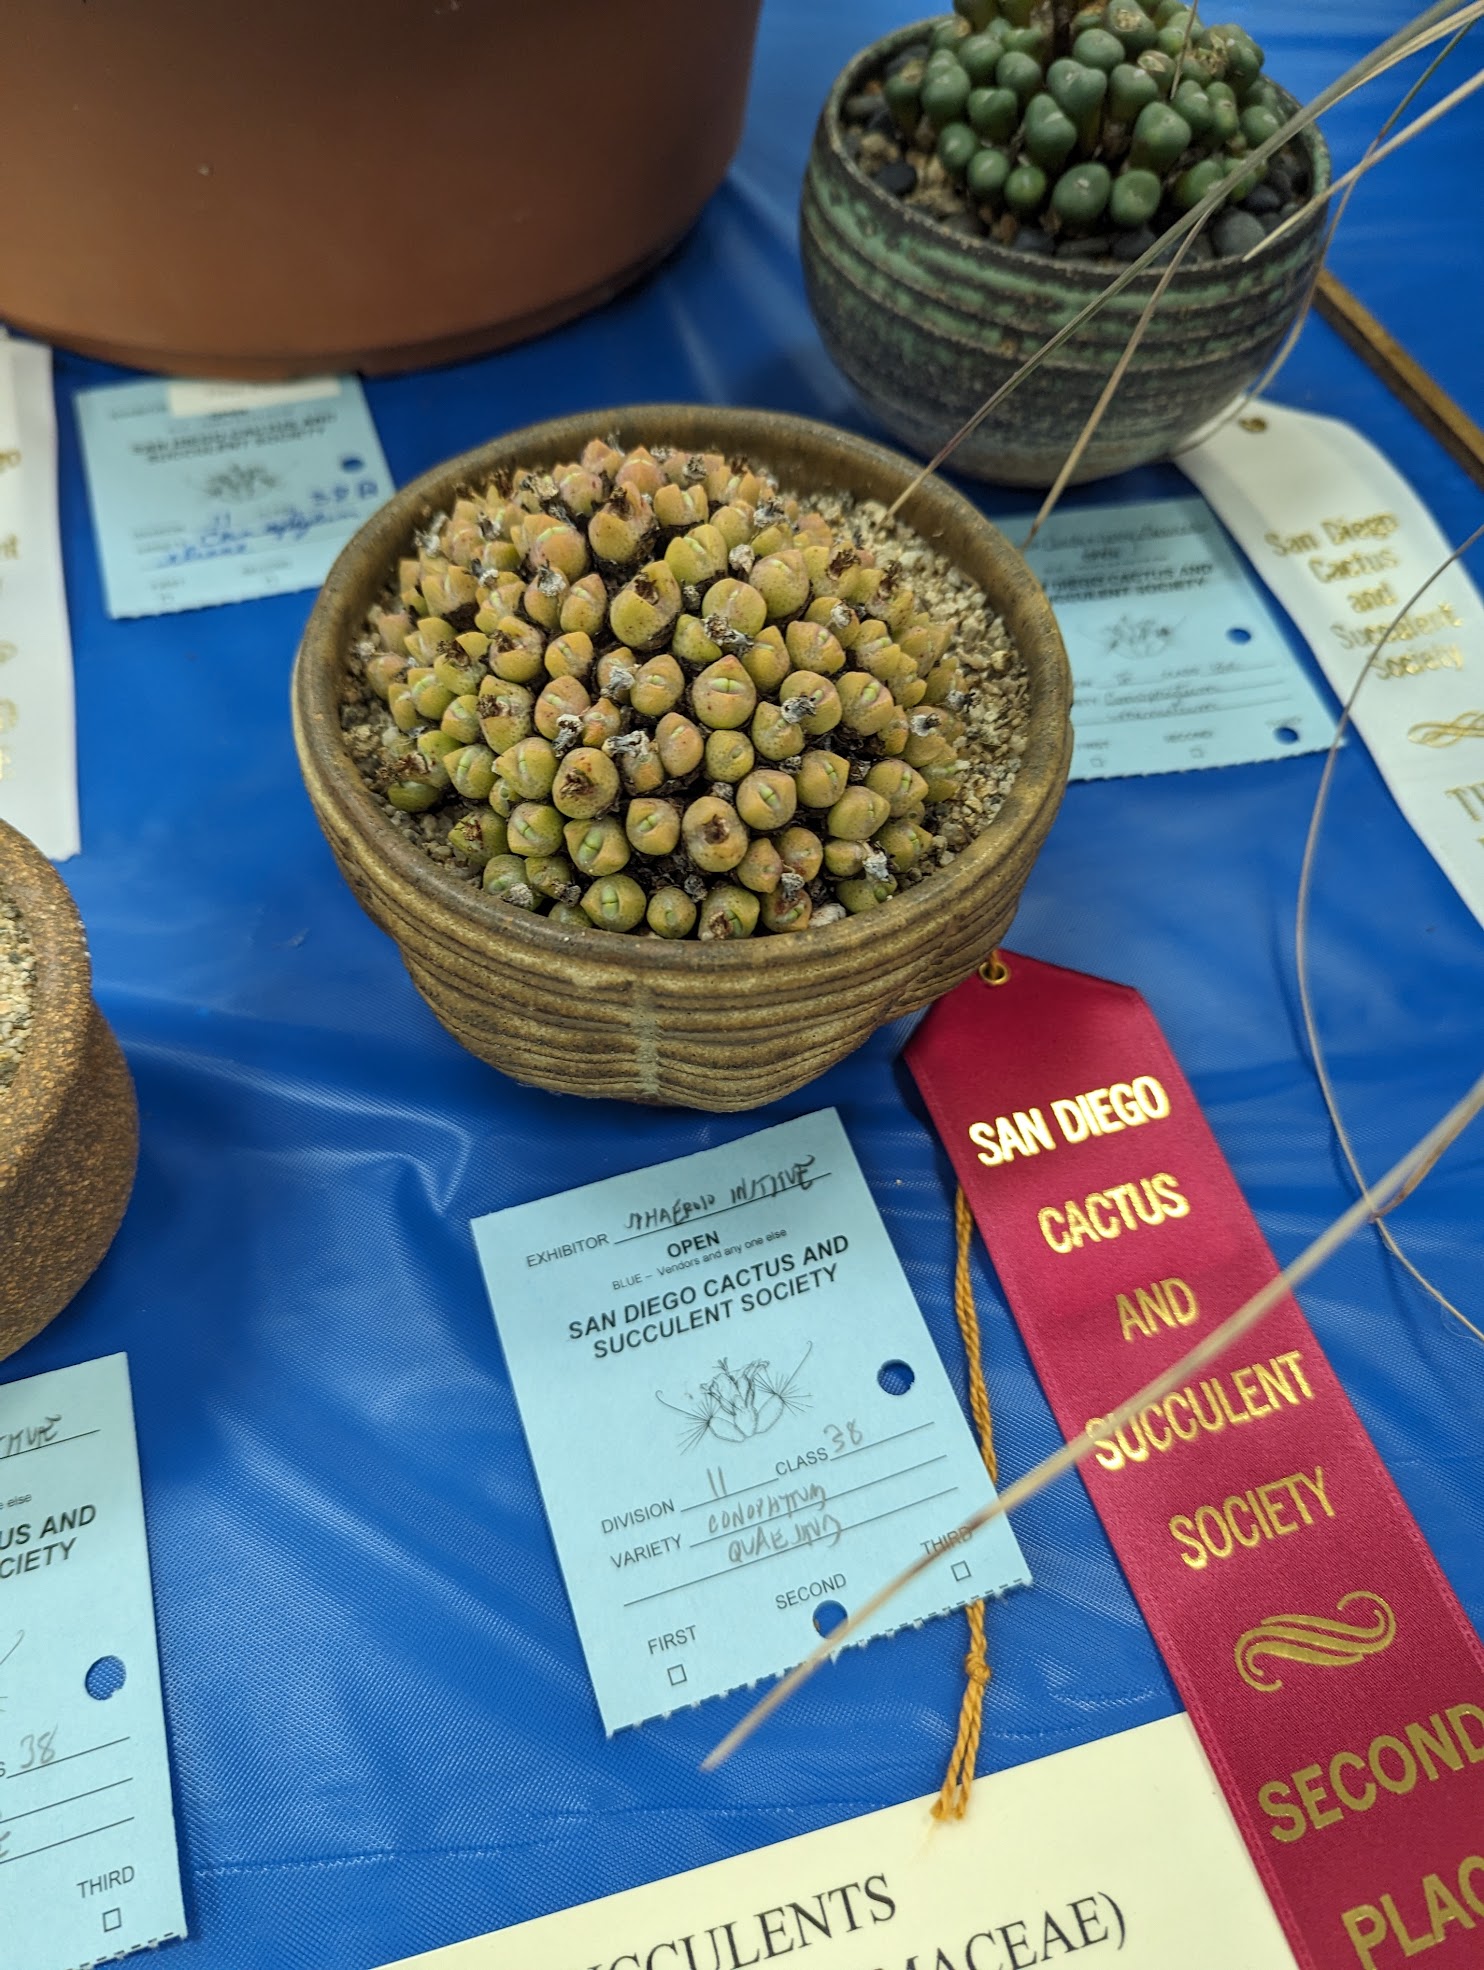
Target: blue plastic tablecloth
[383,1734]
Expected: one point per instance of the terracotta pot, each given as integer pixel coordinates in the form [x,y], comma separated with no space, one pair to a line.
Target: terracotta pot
[69,1127]
[928,323]
[715,1026]
[270,189]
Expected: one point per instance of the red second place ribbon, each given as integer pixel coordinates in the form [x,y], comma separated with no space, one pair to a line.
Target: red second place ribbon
[1334,1681]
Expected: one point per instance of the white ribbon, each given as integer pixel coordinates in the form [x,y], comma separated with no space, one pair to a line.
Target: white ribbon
[1343,542]
[38,746]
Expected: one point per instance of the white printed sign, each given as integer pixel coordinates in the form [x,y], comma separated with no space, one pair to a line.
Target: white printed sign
[1120,1852]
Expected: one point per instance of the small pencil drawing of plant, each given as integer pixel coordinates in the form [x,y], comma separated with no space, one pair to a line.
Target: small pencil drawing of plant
[237,481]
[1139,636]
[737,1404]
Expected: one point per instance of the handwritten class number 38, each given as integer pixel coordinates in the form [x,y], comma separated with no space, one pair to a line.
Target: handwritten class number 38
[36,1750]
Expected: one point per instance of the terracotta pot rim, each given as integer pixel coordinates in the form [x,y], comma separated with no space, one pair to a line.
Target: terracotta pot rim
[62,1007]
[403,868]
[1078,274]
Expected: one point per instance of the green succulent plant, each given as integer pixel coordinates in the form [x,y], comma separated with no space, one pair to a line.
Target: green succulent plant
[1078,118]
[653,692]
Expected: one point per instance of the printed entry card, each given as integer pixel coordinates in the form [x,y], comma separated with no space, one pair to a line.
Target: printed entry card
[207,493]
[1177,658]
[88,1863]
[739,1422]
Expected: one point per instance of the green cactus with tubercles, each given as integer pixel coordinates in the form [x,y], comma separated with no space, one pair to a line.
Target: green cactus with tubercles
[655,695]
[1078,118]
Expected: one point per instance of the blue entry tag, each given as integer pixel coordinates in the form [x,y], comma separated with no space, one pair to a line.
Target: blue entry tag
[739,1422]
[204,493]
[1177,658]
[88,1863]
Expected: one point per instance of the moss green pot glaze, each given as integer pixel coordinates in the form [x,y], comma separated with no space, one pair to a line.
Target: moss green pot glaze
[928,323]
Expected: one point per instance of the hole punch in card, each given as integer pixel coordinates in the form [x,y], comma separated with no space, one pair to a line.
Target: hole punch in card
[88,1862]
[739,1422]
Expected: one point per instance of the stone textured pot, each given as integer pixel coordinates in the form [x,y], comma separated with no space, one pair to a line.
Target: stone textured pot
[267,189]
[715,1026]
[69,1127]
[927,323]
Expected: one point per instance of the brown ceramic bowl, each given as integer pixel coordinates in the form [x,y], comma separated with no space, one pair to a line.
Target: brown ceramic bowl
[715,1026]
[69,1126]
[288,185]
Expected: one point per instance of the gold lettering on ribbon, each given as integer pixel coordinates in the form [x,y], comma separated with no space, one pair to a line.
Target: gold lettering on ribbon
[1448,731]
[1319,1641]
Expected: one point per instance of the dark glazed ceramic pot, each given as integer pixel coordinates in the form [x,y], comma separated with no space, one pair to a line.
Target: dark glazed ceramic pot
[927,323]
[280,187]
[714,1026]
[69,1127]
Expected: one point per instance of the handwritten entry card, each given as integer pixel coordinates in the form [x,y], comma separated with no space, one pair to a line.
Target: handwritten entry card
[1176,657]
[88,1866]
[203,493]
[739,1422]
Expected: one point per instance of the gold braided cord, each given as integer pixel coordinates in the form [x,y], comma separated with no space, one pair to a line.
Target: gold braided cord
[968,1326]
[958,1786]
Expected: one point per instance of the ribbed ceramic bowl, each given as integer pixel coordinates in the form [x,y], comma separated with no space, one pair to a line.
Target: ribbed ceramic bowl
[714,1026]
[69,1127]
[928,323]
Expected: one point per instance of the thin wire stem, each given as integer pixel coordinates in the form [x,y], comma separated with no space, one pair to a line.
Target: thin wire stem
[1184,48]
[1368,163]
[1301,948]
[1239,405]
[1110,389]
